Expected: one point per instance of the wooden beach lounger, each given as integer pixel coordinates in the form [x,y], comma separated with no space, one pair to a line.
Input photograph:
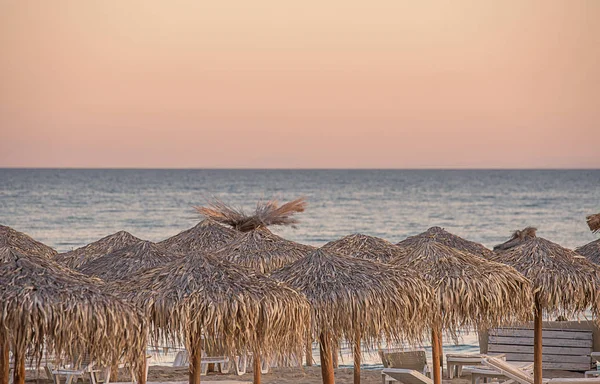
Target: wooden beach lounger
[406,376]
[522,377]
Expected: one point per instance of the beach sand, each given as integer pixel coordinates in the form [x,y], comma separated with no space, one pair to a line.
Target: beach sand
[297,375]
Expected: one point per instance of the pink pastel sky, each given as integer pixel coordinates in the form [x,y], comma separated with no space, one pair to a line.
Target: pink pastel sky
[300,84]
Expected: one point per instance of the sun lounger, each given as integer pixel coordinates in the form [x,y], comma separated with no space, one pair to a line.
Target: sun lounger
[415,359]
[456,361]
[522,377]
[406,376]
[479,373]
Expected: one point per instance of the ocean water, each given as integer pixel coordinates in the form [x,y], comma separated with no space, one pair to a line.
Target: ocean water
[68,208]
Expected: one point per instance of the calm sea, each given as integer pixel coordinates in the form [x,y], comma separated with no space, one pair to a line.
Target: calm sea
[68,208]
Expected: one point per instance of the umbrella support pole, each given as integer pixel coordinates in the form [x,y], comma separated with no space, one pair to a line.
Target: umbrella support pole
[195,363]
[19,374]
[435,355]
[4,361]
[335,349]
[357,358]
[257,367]
[326,360]
[309,356]
[141,371]
[537,343]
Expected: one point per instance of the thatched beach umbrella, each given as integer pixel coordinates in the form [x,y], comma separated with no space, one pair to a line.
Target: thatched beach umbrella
[593,222]
[45,305]
[24,243]
[200,294]
[206,236]
[563,282]
[591,251]
[518,237]
[365,247]
[124,263]
[263,251]
[470,290]
[358,300]
[76,258]
[442,236]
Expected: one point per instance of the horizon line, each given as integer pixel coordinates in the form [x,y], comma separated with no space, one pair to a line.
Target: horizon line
[310,169]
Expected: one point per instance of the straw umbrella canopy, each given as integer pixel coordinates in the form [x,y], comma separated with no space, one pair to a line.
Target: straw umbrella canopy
[263,251]
[124,263]
[358,300]
[591,251]
[563,282]
[518,237]
[593,222]
[442,236]
[365,247]
[207,235]
[470,290]
[199,294]
[76,258]
[46,305]
[24,243]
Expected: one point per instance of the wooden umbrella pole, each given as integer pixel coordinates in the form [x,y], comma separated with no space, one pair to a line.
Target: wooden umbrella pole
[195,362]
[537,343]
[257,370]
[435,354]
[326,360]
[335,350]
[142,370]
[357,356]
[19,374]
[4,362]
[309,356]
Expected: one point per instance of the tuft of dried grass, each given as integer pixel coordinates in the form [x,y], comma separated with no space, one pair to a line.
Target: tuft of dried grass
[518,237]
[593,222]
[122,264]
[591,251]
[471,291]
[76,258]
[263,251]
[365,247]
[206,236]
[565,282]
[24,243]
[266,214]
[46,306]
[442,236]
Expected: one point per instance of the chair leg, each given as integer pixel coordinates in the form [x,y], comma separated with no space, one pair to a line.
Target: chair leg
[240,364]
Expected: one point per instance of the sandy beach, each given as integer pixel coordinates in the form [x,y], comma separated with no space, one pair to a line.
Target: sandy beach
[297,375]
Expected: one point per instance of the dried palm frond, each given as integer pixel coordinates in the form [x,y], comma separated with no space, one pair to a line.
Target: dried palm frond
[365,247]
[565,283]
[517,238]
[266,214]
[123,263]
[206,236]
[76,258]
[351,297]
[231,305]
[591,251]
[593,222]
[23,243]
[263,251]
[442,236]
[471,290]
[45,305]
